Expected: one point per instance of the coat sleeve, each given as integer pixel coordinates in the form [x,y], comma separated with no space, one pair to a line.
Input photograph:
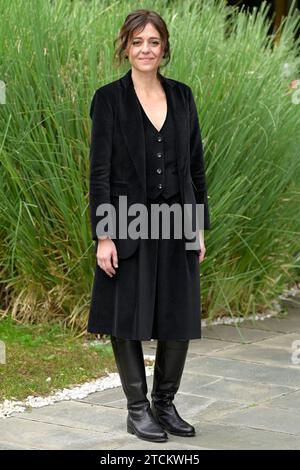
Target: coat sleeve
[197,161]
[101,113]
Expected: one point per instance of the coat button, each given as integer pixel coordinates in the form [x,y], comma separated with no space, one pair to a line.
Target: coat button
[159,186]
[158,170]
[159,138]
[159,154]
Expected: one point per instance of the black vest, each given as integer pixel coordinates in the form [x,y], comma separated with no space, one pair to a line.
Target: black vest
[161,166]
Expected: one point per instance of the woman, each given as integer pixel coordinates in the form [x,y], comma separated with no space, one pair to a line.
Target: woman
[146,148]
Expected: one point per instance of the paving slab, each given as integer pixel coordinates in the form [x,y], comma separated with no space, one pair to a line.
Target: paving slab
[283,325]
[290,401]
[260,354]
[79,415]
[280,353]
[236,334]
[223,437]
[267,418]
[240,391]
[202,347]
[245,370]
[28,434]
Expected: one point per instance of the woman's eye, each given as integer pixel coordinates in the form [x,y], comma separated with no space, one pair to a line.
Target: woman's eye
[138,43]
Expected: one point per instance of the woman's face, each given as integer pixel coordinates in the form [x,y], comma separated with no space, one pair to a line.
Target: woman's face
[145,50]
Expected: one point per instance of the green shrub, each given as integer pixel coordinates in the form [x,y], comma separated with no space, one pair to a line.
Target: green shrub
[53,59]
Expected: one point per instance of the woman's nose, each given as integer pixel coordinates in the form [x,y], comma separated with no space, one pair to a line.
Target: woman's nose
[145,47]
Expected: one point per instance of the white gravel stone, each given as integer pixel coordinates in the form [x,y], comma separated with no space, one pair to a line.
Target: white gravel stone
[11,407]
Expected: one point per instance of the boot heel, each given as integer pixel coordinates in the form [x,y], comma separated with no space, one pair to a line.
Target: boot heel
[129,429]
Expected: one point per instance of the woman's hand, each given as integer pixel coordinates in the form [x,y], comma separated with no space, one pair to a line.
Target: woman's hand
[107,257]
[202,246]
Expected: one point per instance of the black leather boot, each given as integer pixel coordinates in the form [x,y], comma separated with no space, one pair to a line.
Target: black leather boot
[130,363]
[168,369]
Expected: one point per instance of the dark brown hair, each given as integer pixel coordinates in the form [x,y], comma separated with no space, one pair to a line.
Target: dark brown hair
[137,20]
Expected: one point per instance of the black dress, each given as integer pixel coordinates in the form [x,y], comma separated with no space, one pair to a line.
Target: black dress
[155,292]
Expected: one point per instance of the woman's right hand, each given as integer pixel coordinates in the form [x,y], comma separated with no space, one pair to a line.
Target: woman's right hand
[107,257]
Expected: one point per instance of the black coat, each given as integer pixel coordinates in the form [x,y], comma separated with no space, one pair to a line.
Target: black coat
[117,152]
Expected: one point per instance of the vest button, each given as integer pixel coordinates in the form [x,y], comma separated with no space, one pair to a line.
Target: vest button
[158,170]
[159,138]
[159,186]
[159,154]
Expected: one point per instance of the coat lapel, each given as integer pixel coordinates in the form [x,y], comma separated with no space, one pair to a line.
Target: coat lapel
[131,121]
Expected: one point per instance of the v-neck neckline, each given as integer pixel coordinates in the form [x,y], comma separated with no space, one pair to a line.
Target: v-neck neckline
[147,115]
[152,122]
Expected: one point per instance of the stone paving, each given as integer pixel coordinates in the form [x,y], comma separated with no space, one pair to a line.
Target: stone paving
[240,389]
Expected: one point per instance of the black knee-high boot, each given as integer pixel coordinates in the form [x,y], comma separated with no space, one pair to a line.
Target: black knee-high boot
[130,363]
[168,369]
